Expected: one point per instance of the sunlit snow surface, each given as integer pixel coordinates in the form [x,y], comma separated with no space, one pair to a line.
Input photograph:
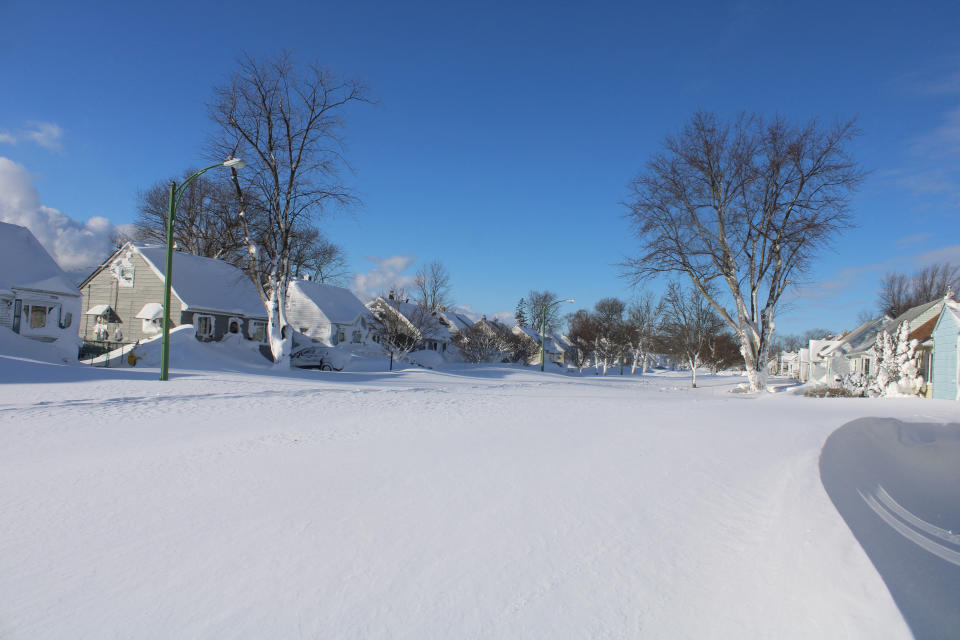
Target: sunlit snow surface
[491,502]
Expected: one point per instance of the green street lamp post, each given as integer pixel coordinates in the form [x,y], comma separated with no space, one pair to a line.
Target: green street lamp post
[543,330]
[176,191]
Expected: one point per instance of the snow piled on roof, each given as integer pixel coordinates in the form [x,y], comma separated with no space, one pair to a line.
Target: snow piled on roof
[150,311]
[340,305]
[25,264]
[207,284]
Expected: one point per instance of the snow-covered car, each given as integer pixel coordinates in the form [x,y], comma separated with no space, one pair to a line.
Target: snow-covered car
[319,357]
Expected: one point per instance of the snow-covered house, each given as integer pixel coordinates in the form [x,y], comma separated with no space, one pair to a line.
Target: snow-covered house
[123,297]
[855,354]
[553,345]
[789,364]
[945,365]
[813,365]
[329,314]
[435,329]
[37,299]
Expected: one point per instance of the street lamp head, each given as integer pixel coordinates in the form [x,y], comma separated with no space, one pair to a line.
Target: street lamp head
[234,163]
[571,300]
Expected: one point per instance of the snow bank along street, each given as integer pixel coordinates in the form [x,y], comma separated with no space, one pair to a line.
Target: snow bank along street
[473,502]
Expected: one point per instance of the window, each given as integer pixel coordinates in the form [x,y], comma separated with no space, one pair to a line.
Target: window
[152,326]
[234,325]
[341,335]
[866,367]
[258,331]
[122,270]
[357,336]
[125,276]
[204,326]
[38,317]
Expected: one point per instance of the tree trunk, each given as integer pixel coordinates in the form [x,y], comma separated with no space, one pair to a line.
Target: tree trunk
[693,371]
[281,342]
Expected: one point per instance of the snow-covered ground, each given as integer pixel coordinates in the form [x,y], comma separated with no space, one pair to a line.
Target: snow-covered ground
[491,502]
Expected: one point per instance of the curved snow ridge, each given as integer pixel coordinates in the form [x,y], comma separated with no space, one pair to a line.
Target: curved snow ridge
[912,527]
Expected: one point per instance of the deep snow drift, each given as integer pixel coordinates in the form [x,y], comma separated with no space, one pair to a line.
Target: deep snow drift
[475,502]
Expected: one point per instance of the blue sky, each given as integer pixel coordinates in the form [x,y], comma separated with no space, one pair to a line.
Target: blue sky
[504,135]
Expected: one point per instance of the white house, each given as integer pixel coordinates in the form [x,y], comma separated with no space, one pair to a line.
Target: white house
[329,314]
[436,329]
[554,346]
[37,299]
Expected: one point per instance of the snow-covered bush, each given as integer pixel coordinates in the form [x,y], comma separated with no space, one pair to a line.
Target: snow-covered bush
[897,371]
[856,383]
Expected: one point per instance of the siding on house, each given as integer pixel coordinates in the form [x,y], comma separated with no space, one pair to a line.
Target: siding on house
[945,355]
[104,288]
[6,311]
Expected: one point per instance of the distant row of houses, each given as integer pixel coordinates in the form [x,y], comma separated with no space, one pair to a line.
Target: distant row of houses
[935,326]
[121,302]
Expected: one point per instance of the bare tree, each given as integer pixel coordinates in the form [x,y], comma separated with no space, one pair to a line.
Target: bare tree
[287,124]
[642,319]
[687,326]
[747,204]
[613,334]
[432,287]
[314,255]
[206,223]
[481,342]
[395,333]
[722,351]
[537,303]
[899,292]
[583,333]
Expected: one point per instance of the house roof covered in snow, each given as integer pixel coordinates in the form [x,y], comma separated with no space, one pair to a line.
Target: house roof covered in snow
[862,339]
[205,284]
[25,264]
[442,327]
[553,342]
[339,305]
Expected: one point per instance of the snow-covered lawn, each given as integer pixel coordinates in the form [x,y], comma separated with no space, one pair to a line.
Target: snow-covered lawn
[490,502]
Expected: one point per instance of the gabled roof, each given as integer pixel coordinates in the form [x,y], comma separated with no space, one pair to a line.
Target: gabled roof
[443,328]
[924,331]
[25,264]
[952,309]
[339,305]
[864,334]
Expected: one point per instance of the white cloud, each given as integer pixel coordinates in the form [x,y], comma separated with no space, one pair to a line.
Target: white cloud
[388,273]
[45,134]
[949,253]
[75,245]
